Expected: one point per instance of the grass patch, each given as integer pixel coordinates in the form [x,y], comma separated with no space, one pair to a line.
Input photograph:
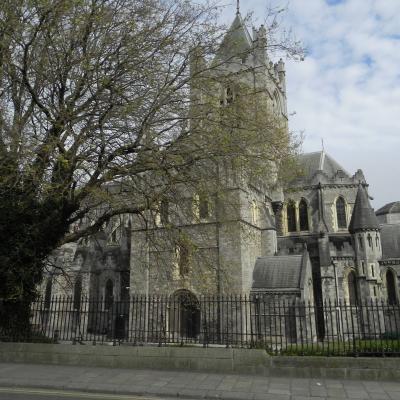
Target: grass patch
[358,347]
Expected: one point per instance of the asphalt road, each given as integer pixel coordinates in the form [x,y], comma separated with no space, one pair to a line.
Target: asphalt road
[43,394]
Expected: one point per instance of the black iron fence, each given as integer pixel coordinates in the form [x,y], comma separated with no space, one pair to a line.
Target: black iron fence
[255,321]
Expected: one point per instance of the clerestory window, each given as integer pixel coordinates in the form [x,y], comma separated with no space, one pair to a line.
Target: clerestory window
[291,217]
[341,213]
[303,215]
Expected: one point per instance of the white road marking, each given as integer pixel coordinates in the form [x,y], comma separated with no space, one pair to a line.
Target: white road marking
[64,393]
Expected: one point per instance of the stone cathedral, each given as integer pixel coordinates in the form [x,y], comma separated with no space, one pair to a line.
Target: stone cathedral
[318,239]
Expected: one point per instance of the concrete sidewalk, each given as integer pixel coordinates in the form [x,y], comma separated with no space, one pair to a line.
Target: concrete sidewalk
[190,384]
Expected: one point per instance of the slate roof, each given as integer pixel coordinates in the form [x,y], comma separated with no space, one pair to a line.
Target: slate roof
[311,163]
[363,216]
[390,239]
[237,41]
[278,272]
[390,208]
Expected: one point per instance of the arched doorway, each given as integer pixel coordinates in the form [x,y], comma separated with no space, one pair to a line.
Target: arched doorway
[184,314]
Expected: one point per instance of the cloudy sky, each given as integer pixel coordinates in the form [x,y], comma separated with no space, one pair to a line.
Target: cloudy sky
[347,91]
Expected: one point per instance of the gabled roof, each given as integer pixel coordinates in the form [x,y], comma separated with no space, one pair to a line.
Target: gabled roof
[279,272]
[390,239]
[311,163]
[390,208]
[363,217]
[237,41]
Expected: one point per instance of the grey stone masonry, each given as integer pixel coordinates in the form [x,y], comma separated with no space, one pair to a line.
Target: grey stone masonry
[69,381]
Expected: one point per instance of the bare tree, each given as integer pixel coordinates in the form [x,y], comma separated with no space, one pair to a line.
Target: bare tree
[97,120]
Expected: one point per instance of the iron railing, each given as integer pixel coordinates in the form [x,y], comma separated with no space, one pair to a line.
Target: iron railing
[255,321]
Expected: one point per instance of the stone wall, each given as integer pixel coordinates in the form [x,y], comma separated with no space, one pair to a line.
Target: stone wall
[244,361]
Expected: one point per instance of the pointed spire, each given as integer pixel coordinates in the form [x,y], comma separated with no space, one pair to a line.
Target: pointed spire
[363,217]
[237,42]
[237,6]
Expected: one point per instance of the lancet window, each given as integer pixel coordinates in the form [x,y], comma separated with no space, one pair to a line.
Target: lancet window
[341,213]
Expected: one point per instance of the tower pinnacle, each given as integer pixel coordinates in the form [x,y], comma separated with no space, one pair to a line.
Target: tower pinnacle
[237,6]
[363,217]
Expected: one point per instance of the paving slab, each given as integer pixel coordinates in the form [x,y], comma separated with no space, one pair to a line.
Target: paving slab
[191,385]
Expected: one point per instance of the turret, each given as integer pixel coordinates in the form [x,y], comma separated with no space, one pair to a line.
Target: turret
[365,231]
[282,74]
[260,45]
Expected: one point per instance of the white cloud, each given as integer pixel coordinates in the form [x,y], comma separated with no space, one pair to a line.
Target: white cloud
[347,91]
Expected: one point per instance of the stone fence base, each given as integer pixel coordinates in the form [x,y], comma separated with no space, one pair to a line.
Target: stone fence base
[218,360]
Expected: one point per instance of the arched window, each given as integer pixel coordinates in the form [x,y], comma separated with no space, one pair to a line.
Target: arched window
[303,215]
[391,287]
[291,217]
[369,237]
[360,241]
[77,293]
[352,286]
[47,294]
[341,213]
[377,241]
[109,295]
